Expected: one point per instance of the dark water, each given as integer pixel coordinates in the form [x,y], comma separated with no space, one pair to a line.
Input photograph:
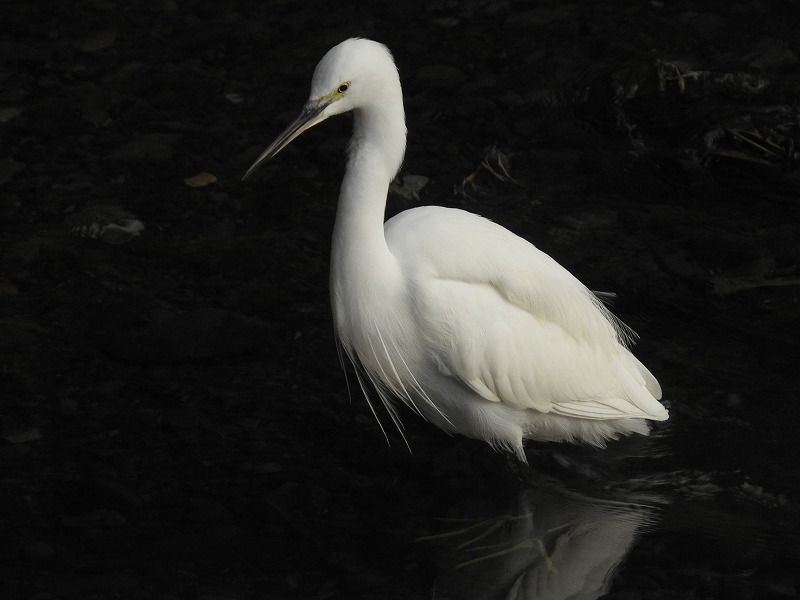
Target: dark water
[174,422]
[629,525]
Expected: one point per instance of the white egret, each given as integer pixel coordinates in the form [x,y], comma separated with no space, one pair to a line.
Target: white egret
[471,326]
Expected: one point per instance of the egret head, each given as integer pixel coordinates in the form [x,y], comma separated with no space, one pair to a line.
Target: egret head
[352,75]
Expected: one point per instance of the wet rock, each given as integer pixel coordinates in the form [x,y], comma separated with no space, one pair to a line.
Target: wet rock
[22,435]
[109,223]
[153,147]
[193,335]
[200,180]
[8,113]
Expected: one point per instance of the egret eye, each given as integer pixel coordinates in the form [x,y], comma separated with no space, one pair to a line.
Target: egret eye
[343,87]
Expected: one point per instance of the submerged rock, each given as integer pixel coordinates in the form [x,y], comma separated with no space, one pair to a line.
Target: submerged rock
[111,224]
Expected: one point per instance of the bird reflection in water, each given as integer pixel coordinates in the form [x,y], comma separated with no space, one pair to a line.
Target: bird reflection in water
[552,544]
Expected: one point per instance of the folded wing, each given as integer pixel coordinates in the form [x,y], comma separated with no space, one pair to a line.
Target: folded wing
[516,327]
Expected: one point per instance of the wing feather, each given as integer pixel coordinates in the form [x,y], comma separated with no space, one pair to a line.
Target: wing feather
[513,325]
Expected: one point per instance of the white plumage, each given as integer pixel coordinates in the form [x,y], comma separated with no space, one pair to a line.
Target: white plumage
[471,326]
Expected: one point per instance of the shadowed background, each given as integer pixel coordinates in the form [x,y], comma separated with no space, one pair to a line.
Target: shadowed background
[174,422]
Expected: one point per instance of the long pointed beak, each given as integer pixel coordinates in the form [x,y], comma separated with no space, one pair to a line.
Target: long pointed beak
[310,116]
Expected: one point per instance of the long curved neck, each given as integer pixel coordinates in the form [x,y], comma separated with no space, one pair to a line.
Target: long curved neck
[359,255]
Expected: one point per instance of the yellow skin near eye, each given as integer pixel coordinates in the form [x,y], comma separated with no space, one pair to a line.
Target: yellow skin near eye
[336,94]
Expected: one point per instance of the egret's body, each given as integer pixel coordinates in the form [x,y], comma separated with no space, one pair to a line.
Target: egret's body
[468,324]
